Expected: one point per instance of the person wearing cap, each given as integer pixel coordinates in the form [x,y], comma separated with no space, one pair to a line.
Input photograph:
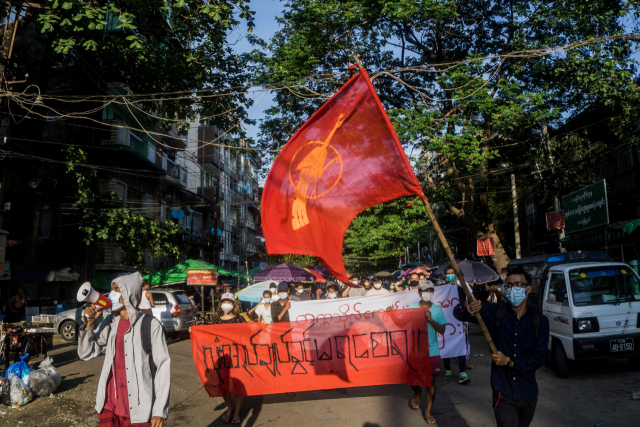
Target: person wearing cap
[436,322]
[280,309]
[377,288]
[352,291]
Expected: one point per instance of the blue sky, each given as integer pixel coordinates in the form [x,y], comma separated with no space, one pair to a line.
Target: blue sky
[266,26]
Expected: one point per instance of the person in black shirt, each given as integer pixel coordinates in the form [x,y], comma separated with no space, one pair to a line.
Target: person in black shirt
[280,309]
[521,336]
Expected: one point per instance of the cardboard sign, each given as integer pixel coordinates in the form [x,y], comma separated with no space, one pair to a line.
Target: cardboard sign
[485,247]
[349,351]
[202,277]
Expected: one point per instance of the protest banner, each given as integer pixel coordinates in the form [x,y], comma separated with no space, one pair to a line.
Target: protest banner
[452,343]
[347,351]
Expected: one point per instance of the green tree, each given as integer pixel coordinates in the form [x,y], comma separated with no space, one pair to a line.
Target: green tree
[470,84]
[376,239]
[103,218]
[158,47]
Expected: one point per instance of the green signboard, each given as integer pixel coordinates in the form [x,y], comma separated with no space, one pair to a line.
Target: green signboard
[586,208]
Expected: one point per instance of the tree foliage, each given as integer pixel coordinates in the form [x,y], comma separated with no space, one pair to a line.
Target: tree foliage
[160,47]
[377,238]
[103,218]
[468,83]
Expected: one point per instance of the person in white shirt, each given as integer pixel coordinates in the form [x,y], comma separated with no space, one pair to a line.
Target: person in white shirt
[146,302]
[263,310]
[377,288]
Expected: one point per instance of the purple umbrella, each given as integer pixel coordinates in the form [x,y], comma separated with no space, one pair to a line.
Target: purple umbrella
[321,270]
[284,272]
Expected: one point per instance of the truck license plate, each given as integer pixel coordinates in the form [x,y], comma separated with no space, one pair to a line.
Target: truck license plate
[625,344]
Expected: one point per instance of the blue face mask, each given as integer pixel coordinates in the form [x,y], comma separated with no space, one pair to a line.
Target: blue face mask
[502,278]
[451,278]
[516,296]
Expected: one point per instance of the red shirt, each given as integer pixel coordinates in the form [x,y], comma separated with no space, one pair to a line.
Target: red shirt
[117,398]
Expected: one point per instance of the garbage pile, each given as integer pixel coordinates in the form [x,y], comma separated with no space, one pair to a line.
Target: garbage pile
[22,384]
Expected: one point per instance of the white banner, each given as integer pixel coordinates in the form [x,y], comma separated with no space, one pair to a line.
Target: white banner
[452,344]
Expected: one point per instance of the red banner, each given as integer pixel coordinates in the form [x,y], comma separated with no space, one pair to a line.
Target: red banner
[347,351]
[485,247]
[343,160]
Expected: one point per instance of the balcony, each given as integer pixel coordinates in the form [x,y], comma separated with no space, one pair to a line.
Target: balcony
[125,137]
[252,249]
[250,224]
[208,154]
[176,173]
[209,193]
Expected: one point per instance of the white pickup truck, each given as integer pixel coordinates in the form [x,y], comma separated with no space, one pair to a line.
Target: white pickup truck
[593,307]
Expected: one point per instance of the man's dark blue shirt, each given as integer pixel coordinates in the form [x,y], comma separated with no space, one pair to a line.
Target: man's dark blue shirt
[516,340]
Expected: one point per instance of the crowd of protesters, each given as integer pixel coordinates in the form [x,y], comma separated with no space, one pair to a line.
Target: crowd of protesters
[510,410]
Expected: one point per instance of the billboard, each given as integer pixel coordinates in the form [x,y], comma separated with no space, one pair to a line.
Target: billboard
[202,277]
[586,208]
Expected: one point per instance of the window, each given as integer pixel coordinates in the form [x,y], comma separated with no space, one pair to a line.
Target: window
[604,284]
[558,288]
[159,299]
[163,210]
[120,190]
[181,298]
[44,224]
[197,221]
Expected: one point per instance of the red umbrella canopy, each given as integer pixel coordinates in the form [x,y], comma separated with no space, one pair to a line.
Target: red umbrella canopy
[321,269]
[319,278]
[284,272]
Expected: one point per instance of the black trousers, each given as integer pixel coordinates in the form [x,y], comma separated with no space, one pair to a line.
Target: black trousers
[513,413]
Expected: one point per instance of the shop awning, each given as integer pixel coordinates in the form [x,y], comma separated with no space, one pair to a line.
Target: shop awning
[178,273]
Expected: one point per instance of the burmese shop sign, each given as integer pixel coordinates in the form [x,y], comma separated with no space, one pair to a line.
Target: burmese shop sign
[586,208]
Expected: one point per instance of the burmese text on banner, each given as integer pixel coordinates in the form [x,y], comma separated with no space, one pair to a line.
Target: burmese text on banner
[255,359]
[452,343]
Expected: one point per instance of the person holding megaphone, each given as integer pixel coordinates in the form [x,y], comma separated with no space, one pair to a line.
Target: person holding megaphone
[136,377]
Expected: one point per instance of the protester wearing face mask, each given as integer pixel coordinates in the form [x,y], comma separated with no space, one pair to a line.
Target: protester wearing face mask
[521,336]
[263,310]
[280,309]
[436,322]
[463,378]
[273,287]
[351,291]
[332,291]
[377,288]
[299,293]
[228,311]
[414,281]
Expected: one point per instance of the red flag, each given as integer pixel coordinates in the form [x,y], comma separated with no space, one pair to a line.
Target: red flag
[343,160]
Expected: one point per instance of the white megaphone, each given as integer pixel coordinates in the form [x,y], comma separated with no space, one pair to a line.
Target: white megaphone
[87,294]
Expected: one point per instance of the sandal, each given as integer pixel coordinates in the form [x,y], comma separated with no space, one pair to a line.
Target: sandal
[236,421]
[227,417]
[415,403]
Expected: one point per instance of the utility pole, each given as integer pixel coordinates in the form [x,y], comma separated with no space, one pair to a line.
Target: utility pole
[554,184]
[516,222]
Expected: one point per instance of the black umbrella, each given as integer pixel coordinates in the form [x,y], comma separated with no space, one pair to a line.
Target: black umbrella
[473,272]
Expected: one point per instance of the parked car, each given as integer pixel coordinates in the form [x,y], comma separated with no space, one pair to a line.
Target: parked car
[172,308]
[68,322]
[593,307]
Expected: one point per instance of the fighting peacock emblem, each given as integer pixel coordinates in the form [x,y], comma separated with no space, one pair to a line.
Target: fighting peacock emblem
[309,164]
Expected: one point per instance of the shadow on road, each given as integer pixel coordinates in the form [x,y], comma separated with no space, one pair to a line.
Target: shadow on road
[71,383]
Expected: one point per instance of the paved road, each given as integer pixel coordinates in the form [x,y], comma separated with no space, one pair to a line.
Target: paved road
[597,394]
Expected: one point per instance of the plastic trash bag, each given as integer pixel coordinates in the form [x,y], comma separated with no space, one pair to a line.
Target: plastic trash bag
[25,375]
[41,383]
[20,393]
[17,368]
[5,391]
[47,365]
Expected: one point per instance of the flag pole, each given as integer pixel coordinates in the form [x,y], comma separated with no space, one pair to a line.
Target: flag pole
[357,61]
[456,269]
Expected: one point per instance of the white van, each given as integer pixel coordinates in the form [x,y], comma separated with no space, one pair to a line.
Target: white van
[594,313]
